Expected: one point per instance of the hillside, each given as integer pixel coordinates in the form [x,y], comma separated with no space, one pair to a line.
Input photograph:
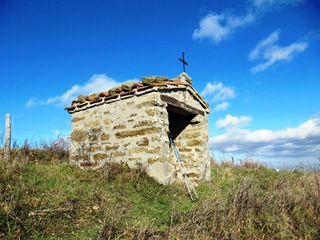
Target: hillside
[42,197]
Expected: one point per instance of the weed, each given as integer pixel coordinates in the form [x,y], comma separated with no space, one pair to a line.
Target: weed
[43,197]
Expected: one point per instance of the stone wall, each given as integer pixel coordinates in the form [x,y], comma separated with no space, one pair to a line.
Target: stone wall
[133,130]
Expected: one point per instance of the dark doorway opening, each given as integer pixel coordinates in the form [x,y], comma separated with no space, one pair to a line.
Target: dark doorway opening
[179,119]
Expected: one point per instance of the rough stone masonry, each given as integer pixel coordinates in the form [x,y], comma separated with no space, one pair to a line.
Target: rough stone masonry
[129,125]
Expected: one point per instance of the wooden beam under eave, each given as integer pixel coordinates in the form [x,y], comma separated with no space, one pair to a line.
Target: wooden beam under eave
[176,106]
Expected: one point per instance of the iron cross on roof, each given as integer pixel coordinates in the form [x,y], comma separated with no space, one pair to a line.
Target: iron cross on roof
[183,62]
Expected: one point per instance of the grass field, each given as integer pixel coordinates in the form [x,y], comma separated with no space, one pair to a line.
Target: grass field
[42,197]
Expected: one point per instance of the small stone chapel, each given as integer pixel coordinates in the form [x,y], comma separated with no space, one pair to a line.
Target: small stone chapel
[129,125]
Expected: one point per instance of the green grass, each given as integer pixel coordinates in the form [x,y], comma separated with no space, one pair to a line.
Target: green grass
[42,199]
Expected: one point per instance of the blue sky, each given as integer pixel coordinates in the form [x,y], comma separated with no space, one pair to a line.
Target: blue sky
[256,62]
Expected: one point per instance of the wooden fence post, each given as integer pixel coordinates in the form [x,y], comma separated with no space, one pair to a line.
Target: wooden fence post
[212,158]
[8,138]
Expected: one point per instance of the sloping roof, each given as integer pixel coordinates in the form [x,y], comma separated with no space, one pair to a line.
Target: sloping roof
[130,89]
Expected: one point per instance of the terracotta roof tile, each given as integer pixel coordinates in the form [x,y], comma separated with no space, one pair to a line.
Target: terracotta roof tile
[120,90]
[104,94]
[129,88]
[90,98]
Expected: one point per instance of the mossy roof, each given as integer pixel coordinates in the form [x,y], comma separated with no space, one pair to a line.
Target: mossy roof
[129,89]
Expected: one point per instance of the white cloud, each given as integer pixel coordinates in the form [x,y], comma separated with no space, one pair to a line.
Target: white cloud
[233,121]
[269,41]
[271,53]
[217,92]
[97,83]
[221,107]
[274,3]
[302,141]
[218,27]
[31,102]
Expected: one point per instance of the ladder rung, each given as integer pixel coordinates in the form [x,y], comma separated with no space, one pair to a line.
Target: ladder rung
[191,190]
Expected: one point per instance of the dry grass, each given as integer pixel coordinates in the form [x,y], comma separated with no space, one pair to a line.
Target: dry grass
[42,197]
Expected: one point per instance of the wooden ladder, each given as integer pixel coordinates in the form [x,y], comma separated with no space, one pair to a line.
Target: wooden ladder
[191,190]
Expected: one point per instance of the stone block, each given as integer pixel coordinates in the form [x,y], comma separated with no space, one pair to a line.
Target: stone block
[143,123]
[118,154]
[134,133]
[145,104]
[143,142]
[153,79]
[111,147]
[99,156]
[120,126]
[156,138]
[192,135]
[185,149]
[78,119]
[144,150]
[194,142]
[95,130]
[92,148]
[92,123]
[105,137]
[151,112]
[107,121]
[78,135]
[132,163]
[160,172]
